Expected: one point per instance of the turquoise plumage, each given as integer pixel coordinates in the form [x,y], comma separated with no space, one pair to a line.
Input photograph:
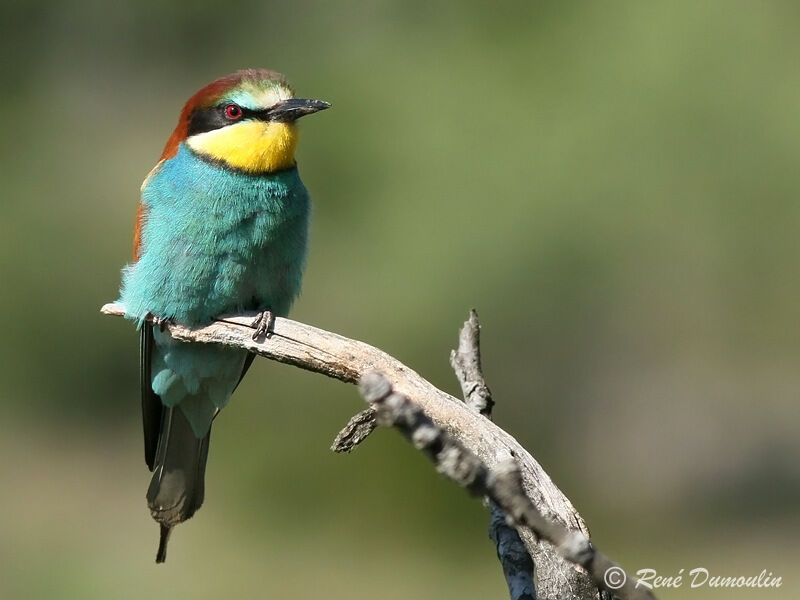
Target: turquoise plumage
[222,227]
[215,241]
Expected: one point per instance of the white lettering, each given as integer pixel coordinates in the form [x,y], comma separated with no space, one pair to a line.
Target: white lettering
[698,571]
[700,576]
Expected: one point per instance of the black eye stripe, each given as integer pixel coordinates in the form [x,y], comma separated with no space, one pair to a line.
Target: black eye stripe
[208,119]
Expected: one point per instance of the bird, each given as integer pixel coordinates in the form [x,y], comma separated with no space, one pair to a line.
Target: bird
[221,227]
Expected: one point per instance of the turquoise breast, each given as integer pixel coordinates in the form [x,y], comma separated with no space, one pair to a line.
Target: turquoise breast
[216,240]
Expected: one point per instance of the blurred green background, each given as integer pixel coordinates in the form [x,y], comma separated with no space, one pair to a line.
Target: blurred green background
[613,185]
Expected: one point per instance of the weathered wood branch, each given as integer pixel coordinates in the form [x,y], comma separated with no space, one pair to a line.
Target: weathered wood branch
[502,484]
[348,360]
[514,557]
[356,431]
[517,563]
[466,362]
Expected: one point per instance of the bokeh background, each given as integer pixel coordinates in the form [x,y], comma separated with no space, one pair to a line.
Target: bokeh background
[614,186]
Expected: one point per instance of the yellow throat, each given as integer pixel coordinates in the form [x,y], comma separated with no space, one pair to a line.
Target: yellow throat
[250,146]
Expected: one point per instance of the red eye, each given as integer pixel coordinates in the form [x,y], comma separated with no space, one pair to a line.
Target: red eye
[232,111]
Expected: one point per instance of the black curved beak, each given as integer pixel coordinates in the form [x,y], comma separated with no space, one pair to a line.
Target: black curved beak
[292,109]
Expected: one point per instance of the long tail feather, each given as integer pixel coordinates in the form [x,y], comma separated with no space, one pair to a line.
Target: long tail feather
[177,488]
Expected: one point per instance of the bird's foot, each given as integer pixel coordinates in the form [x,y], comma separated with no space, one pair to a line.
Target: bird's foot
[161,322]
[263,323]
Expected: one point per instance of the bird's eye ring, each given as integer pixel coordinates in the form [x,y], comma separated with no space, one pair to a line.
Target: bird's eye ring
[233,112]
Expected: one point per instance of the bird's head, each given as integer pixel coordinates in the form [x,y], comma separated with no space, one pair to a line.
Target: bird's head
[243,121]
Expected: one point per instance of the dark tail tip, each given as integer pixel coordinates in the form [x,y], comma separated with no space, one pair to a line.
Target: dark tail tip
[161,555]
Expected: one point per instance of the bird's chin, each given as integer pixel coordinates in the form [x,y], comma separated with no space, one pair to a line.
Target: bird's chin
[251,146]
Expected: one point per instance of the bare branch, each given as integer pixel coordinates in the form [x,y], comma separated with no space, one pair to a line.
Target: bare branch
[466,362]
[517,563]
[503,484]
[345,359]
[356,431]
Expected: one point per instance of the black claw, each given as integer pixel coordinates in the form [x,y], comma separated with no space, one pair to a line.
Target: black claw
[263,323]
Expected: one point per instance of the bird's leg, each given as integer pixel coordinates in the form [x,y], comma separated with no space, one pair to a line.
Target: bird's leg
[263,323]
[161,322]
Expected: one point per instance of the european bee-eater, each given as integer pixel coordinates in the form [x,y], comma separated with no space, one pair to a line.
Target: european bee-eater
[221,227]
